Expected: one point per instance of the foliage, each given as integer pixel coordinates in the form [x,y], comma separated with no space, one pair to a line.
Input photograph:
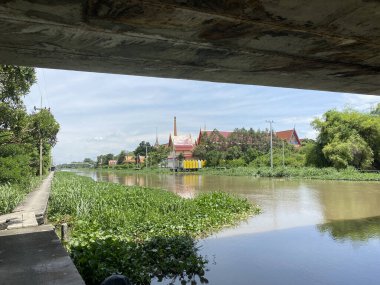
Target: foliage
[103,159]
[354,151]
[349,138]
[121,157]
[140,232]
[376,111]
[12,194]
[158,155]
[326,173]
[88,160]
[15,83]
[20,133]
[240,148]
[142,148]
[43,128]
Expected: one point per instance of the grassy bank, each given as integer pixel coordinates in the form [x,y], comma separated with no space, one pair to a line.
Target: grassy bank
[141,232]
[350,174]
[12,194]
[330,173]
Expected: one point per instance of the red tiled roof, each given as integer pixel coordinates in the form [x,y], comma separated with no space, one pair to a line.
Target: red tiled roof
[225,134]
[287,135]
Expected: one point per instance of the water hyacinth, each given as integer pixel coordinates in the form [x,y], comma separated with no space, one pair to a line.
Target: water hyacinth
[143,233]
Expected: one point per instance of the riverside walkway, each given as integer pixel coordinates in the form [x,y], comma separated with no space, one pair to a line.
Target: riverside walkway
[30,251]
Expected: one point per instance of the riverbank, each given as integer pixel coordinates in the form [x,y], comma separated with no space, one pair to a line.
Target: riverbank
[142,232]
[13,194]
[330,173]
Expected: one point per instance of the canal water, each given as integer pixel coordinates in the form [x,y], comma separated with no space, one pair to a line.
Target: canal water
[310,231]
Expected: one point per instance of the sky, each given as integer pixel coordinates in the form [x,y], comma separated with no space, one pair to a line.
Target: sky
[106,113]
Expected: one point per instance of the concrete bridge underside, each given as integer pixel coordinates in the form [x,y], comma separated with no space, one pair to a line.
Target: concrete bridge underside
[310,44]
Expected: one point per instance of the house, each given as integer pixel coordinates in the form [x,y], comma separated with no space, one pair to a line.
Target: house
[134,159]
[289,136]
[112,162]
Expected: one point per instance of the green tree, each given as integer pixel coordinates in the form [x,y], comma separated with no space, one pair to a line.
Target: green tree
[158,155]
[234,152]
[16,147]
[43,128]
[353,151]
[376,111]
[121,157]
[349,138]
[15,83]
[142,148]
[88,160]
[214,158]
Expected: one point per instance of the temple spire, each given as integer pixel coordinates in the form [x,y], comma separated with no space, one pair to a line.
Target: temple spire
[156,144]
[175,126]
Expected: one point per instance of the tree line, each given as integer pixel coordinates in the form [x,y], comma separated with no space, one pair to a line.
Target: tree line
[21,133]
[345,138]
[155,155]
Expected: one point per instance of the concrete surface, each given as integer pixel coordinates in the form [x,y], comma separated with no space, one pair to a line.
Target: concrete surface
[35,256]
[31,212]
[309,44]
[37,201]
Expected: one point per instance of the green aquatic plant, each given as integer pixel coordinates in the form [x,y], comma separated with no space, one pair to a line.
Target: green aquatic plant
[327,173]
[143,233]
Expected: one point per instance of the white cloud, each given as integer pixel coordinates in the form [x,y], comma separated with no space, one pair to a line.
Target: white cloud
[105,113]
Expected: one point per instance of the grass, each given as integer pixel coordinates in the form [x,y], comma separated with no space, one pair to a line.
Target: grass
[350,174]
[142,233]
[327,173]
[13,194]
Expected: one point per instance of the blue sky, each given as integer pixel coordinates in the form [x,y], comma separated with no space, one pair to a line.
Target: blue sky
[106,113]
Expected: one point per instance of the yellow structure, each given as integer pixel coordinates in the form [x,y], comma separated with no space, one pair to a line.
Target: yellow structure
[193,164]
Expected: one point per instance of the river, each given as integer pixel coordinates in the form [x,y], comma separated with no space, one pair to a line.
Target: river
[310,231]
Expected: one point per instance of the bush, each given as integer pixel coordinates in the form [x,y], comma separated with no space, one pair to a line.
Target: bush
[15,169]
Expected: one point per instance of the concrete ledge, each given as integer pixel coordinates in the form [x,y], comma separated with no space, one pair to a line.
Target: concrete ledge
[35,256]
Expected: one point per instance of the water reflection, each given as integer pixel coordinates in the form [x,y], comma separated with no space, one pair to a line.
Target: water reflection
[353,230]
[301,236]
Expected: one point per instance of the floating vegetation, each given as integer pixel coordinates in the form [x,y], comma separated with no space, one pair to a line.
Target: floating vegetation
[326,173]
[143,233]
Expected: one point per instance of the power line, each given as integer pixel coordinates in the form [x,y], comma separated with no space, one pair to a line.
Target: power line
[271,142]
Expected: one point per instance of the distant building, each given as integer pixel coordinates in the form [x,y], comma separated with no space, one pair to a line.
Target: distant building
[180,144]
[225,134]
[112,162]
[289,136]
[134,159]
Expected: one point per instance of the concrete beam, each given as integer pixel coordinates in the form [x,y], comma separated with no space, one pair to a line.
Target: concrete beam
[313,44]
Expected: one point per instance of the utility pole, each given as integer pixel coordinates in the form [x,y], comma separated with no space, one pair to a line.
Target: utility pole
[283,153]
[146,156]
[39,109]
[271,143]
